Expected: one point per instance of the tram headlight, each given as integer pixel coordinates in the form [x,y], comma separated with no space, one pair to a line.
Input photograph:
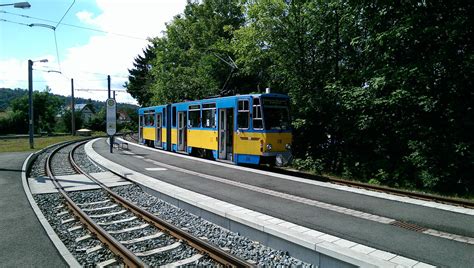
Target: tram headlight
[288,146]
[269,147]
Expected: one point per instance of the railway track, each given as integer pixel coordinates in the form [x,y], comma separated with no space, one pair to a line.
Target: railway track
[134,235]
[379,188]
[385,189]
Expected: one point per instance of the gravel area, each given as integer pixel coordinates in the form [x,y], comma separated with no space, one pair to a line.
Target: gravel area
[238,245]
[52,204]
[60,162]
[183,251]
[49,205]
[84,162]
[37,169]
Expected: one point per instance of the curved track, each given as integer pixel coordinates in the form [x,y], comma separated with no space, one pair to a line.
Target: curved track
[90,216]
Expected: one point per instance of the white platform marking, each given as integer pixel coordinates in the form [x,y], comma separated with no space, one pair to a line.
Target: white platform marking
[306,201]
[392,197]
[156,169]
[250,218]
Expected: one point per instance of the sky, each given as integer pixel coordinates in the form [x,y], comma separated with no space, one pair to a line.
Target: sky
[87,56]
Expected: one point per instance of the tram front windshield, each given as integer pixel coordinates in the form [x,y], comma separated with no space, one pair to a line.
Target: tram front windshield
[276,114]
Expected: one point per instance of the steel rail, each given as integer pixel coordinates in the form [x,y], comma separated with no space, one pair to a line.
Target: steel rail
[128,258]
[380,188]
[417,195]
[214,252]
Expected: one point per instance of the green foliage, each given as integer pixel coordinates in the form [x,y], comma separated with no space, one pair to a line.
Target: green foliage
[190,57]
[381,91]
[309,164]
[45,108]
[7,95]
[66,120]
[140,78]
[98,121]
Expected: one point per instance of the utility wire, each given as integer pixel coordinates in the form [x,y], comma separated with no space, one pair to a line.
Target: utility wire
[75,26]
[9,21]
[74,1]
[57,50]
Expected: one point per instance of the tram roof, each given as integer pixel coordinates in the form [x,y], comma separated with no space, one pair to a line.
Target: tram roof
[272,95]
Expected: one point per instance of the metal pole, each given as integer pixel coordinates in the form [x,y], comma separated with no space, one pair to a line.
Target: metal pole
[108,85]
[73,120]
[114,94]
[30,103]
[111,136]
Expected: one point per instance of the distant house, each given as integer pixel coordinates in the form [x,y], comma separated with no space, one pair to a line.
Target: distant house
[86,111]
[123,117]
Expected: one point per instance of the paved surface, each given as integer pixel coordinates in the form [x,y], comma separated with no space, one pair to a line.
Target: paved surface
[77,182]
[434,250]
[23,241]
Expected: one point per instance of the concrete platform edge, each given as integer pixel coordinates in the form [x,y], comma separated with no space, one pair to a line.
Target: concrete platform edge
[174,196]
[63,251]
[403,199]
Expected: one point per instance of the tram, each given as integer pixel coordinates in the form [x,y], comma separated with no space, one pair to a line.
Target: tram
[242,129]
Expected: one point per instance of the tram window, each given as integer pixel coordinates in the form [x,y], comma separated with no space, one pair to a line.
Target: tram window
[209,115]
[276,114]
[149,120]
[164,118]
[142,120]
[174,117]
[257,114]
[194,116]
[243,114]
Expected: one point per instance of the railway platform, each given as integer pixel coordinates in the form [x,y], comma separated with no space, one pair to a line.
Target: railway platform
[338,223]
[23,241]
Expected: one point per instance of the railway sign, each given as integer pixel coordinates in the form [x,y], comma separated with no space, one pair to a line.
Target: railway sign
[111,117]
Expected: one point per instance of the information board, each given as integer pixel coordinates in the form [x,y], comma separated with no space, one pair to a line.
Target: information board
[111,117]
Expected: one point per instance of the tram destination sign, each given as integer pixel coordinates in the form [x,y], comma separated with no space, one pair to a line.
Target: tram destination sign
[111,116]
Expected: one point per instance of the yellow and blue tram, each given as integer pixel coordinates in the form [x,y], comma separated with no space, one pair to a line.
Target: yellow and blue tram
[243,129]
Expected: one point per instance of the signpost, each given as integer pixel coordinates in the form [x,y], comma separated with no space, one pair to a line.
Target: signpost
[111,121]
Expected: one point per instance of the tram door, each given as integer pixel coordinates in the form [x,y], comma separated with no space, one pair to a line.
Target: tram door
[181,131]
[140,129]
[159,123]
[226,130]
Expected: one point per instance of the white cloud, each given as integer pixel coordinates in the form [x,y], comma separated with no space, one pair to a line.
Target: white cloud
[85,16]
[111,53]
[13,73]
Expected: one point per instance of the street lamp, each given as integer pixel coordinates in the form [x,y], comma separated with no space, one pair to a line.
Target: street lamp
[18,5]
[30,99]
[42,25]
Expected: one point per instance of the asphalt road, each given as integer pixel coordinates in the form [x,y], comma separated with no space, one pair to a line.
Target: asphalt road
[23,241]
[422,247]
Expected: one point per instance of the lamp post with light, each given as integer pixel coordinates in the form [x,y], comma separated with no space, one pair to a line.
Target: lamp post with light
[18,5]
[30,100]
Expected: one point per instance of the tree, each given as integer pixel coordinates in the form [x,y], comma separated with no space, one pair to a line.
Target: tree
[66,120]
[188,64]
[98,122]
[140,79]
[45,108]
[381,91]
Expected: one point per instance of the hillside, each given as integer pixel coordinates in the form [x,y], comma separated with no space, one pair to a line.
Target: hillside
[8,94]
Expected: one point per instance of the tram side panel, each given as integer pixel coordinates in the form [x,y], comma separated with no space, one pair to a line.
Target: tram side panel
[239,136]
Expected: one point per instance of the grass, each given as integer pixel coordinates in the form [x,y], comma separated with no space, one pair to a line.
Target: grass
[23,144]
